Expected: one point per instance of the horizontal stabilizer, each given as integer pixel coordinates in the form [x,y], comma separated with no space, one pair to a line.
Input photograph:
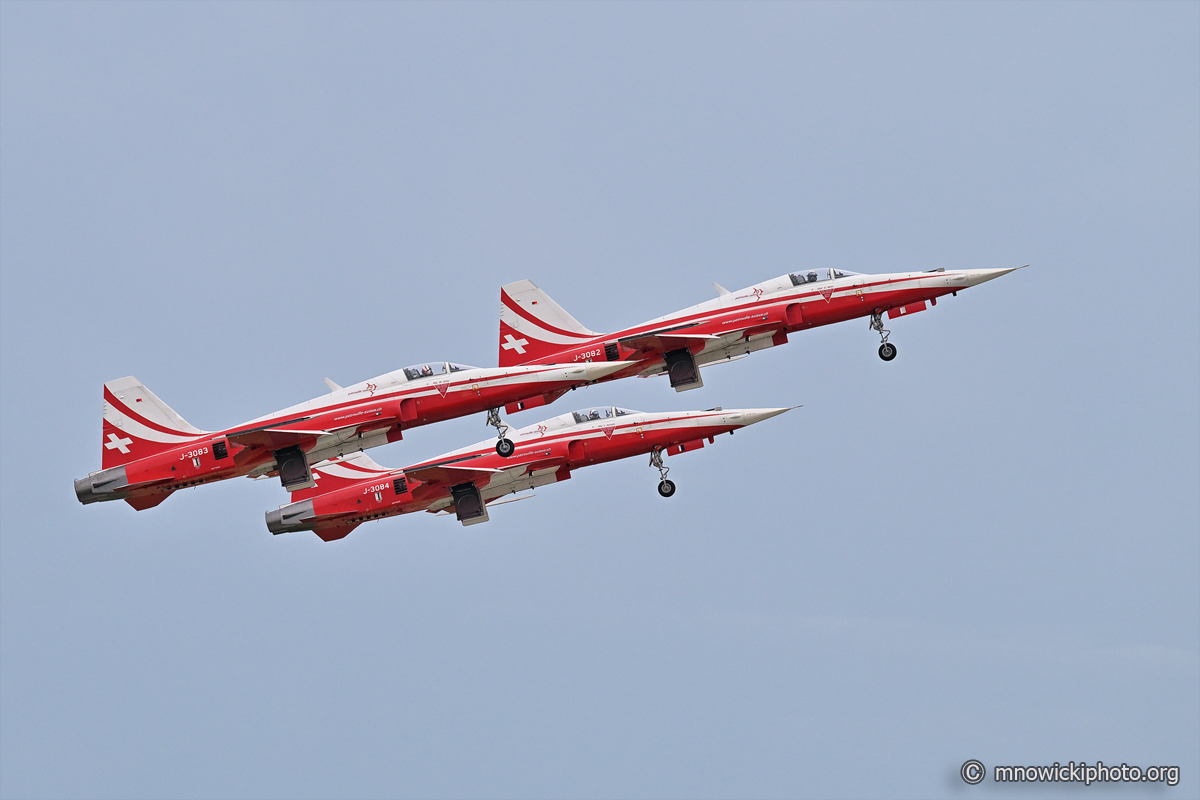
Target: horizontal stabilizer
[335,532]
[147,501]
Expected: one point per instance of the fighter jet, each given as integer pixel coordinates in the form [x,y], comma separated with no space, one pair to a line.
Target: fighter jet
[149,451]
[352,490]
[536,330]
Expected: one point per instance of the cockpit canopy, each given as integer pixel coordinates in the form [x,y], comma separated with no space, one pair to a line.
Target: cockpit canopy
[419,371]
[600,412]
[818,275]
[578,417]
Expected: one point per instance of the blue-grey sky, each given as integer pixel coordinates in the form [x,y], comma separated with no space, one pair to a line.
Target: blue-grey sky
[988,548]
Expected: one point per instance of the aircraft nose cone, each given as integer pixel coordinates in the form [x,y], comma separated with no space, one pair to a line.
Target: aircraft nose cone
[753,415]
[595,371]
[978,276]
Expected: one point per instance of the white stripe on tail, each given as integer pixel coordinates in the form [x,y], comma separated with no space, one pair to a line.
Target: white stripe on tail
[137,424]
[338,473]
[533,327]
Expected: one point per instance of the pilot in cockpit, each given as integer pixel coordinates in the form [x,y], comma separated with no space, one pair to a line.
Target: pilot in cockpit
[426,371]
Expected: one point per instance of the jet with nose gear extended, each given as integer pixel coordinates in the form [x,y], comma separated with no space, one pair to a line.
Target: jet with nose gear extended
[352,490]
[149,451]
[536,330]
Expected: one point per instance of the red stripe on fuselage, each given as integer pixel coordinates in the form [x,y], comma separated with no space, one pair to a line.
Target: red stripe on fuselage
[335,504]
[566,434]
[388,395]
[700,317]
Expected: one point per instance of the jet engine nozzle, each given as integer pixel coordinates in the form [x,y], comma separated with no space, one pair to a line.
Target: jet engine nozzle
[290,518]
[102,485]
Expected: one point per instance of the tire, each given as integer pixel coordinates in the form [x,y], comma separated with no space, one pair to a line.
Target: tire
[666,488]
[505,448]
[887,351]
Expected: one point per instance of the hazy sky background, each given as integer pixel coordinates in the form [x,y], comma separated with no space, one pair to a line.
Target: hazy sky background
[988,548]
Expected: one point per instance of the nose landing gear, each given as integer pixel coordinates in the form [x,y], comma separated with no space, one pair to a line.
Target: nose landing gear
[887,350]
[666,488]
[504,447]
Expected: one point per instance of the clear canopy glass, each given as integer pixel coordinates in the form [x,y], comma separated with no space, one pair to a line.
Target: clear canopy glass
[818,275]
[418,371]
[576,418]
[600,412]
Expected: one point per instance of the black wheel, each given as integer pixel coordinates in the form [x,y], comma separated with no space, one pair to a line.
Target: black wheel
[666,488]
[505,448]
[887,351]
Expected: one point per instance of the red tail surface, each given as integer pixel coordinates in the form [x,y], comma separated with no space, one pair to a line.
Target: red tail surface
[137,424]
[534,327]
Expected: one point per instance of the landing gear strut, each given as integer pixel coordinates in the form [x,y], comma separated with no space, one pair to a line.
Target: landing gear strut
[887,350]
[665,487]
[504,447]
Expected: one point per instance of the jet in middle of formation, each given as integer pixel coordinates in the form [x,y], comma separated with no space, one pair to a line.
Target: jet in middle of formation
[149,451]
[536,330]
[352,490]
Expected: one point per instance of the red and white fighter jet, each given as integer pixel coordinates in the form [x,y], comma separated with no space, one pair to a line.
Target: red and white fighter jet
[536,330]
[352,490]
[150,451]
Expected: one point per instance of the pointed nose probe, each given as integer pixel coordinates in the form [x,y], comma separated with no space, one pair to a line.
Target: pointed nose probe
[749,416]
[978,276]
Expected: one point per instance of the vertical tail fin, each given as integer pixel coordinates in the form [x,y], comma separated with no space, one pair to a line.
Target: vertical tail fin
[137,424]
[534,327]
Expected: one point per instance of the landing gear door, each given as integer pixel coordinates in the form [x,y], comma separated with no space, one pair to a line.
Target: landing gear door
[294,473]
[682,370]
[468,504]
